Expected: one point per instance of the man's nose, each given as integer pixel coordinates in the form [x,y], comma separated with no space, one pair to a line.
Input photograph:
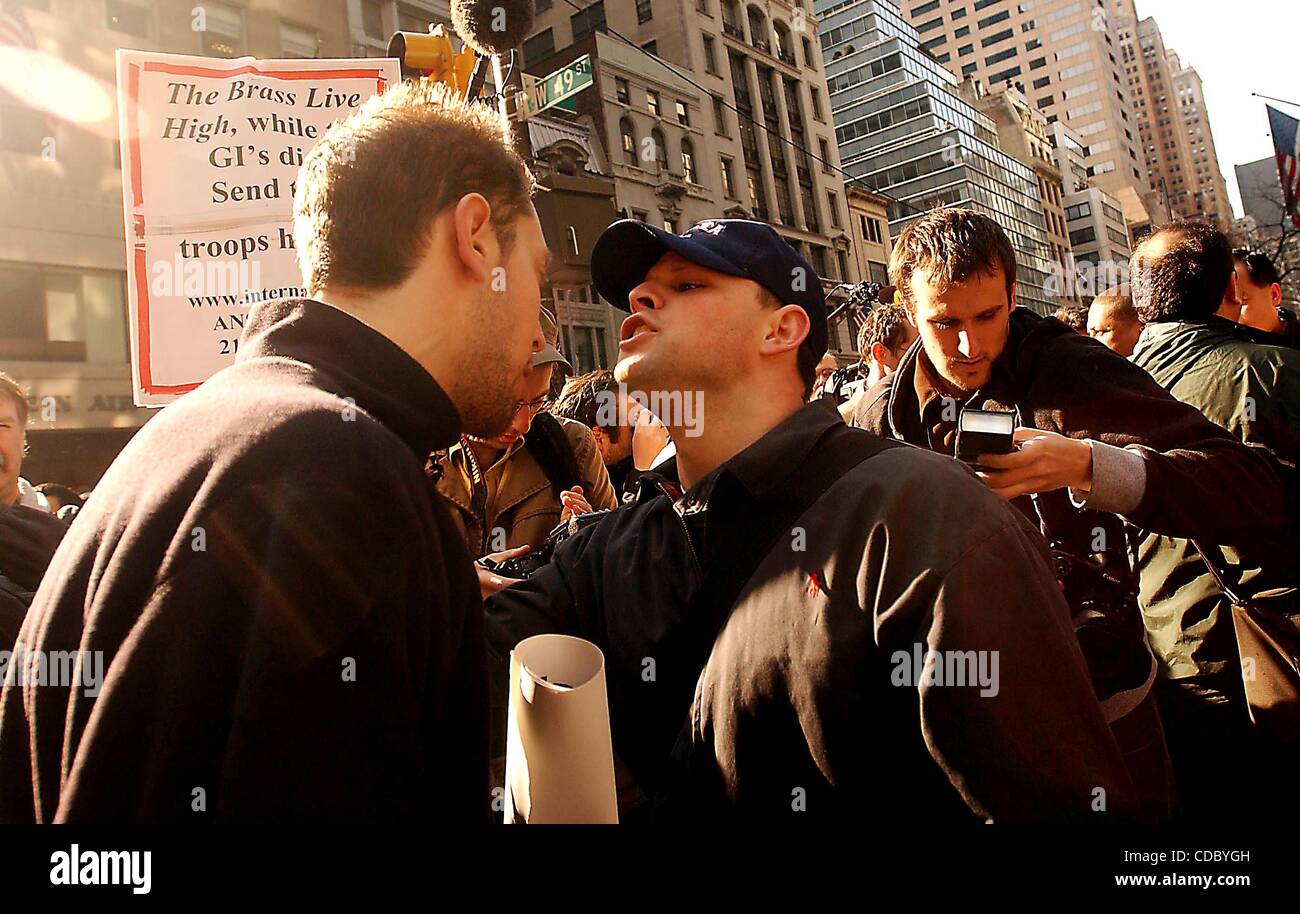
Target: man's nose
[523,420]
[644,297]
[966,344]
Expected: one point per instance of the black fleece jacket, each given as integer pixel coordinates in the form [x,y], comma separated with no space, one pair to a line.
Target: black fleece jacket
[290,626]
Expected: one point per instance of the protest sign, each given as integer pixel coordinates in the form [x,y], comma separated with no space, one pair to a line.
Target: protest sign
[210,157]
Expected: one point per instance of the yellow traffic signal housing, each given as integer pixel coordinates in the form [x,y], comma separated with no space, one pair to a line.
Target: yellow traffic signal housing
[431,56]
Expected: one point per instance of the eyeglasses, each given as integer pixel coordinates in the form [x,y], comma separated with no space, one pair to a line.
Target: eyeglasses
[533,406]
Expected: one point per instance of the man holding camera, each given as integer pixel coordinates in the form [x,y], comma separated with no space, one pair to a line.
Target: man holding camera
[508,492]
[1094,437]
[780,624]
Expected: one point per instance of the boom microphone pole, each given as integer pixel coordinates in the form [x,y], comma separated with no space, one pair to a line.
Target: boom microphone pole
[491,28]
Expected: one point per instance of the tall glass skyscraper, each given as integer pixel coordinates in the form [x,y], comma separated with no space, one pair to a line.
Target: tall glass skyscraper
[903,129]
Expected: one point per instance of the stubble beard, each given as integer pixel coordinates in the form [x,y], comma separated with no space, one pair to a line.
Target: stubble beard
[489,373]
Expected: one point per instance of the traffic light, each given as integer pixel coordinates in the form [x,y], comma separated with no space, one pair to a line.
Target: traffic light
[431,56]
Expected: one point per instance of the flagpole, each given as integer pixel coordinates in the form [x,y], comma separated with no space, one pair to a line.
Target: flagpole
[1272,99]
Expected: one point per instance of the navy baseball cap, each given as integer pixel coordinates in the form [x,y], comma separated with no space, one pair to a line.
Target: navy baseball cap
[625,252]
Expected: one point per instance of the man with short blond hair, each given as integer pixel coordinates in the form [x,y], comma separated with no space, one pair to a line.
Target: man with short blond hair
[291,620]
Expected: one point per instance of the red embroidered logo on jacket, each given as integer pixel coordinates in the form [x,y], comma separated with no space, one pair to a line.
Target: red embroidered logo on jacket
[816,584]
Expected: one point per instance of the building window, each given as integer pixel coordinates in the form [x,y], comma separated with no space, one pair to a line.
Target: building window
[651,48]
[825,149]
[816,102]
[131,17]
[372,19]
[808,60]
[878,272]
[683,115]
[996,37]
[541,6]
[572,236]
[784,47]
[833,202]
[688,161]
[710,58]
[643,11]
[670,225]
[628,134]
[539,47]
[871,229]
[621,90]
[818,258]
[965,50]
[587,20]
[412,18]
[720,116]
[1078,211]
[224,32]
[652,101]
[65,315]
[728,179]
[1083,235]
[660,148]
[586,347]
[298,42]
[23,130]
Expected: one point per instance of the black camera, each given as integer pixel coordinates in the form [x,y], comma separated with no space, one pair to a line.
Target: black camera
[981,431]
[528,564]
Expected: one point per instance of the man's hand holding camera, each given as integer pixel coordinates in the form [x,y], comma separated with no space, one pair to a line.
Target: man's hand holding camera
[489,580]
[574,502]
[1043,461]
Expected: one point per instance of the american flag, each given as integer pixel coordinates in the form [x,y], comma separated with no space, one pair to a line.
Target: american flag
[1286,141]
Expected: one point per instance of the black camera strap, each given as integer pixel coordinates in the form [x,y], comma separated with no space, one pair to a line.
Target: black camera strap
[478,492]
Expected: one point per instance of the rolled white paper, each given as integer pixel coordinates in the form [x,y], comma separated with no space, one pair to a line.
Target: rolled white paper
[559,757]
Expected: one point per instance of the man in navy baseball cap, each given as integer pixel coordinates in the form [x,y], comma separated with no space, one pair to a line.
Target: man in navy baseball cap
[768,652]
[629,249]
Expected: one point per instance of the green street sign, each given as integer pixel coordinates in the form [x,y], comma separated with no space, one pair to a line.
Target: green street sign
[563,84]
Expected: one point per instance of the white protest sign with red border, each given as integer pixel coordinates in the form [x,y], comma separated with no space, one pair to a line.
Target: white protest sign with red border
[210,157]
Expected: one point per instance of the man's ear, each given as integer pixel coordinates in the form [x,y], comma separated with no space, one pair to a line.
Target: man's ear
[878,352]
[788,331]
[1012,301]
[475,241]
[1275,295]
[1233,294]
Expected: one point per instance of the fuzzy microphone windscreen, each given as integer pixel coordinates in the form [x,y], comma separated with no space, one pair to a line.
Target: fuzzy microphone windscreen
[492,26]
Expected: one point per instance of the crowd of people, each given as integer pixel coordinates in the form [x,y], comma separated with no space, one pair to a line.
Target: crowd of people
[306,577]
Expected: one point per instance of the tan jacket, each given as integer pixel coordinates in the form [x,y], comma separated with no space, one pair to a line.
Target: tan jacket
[521,500]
